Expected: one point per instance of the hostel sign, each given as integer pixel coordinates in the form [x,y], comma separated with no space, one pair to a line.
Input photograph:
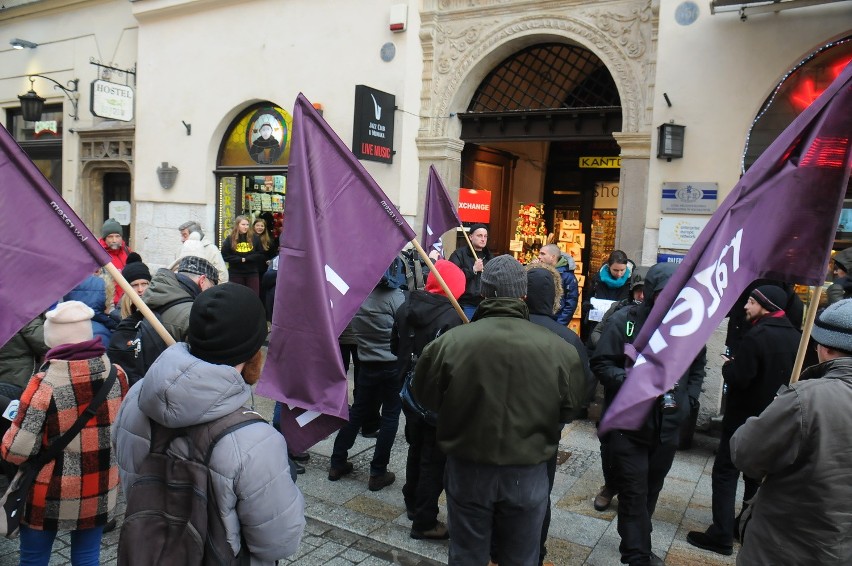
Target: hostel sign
[600,162]
[112,100]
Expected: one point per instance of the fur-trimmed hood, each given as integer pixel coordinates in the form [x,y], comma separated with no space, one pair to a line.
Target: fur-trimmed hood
[544,289]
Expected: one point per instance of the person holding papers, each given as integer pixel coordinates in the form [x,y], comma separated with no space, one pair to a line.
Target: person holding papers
[609,286]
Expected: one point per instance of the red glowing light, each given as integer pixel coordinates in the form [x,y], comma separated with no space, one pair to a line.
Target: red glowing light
[803,94]
[827,152]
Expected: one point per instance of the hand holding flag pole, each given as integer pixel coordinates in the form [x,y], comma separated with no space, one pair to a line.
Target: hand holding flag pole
[440,279]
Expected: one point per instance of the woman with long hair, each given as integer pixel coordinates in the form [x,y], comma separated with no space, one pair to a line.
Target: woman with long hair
[243,251]
[267,242]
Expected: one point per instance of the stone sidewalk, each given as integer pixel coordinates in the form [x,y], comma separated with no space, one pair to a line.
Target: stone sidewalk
[349,525]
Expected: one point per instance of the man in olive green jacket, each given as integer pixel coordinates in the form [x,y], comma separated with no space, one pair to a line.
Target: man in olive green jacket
[21,356]
[500,386]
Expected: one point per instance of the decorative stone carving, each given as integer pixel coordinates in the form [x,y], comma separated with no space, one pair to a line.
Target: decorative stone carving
[629,31]
[460,44]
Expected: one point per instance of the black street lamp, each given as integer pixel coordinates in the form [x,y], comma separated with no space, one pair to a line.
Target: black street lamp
[32,105]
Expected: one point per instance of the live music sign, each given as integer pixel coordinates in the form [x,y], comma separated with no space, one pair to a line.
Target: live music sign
[474,206]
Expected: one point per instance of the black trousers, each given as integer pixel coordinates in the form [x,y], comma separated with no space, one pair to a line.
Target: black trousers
[424,472]
[725,477]
[640,470]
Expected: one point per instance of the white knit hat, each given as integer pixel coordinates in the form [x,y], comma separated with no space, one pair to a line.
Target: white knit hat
[69,323]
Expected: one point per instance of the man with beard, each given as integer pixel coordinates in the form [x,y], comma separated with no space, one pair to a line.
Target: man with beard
[112,240]
[763,363]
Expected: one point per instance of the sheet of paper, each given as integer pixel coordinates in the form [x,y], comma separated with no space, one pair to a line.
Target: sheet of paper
[599,308]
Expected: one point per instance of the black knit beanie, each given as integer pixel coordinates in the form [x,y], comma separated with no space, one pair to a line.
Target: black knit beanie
[227,325]
[770,297]
[135,269]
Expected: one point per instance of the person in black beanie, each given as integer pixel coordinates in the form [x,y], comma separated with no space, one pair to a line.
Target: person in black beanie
[137,273]
[763,363]
[472,267]
[199,381]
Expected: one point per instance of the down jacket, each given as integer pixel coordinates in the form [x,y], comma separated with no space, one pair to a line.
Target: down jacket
[800,445]
[251,476]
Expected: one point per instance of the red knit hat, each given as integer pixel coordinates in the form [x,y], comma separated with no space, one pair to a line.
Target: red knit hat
[452,275]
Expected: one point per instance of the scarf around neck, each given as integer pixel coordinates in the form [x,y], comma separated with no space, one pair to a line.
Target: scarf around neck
[607,279]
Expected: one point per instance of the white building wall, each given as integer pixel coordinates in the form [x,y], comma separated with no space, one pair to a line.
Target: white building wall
[717,73]
[204,62]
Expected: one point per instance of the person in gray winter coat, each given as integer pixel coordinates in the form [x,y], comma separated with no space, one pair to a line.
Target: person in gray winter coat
[197,382]
[800,446]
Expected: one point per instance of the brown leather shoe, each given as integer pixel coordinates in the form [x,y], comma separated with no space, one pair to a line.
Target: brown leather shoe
[381,481]
[438,532]
[335,474]
[604,498]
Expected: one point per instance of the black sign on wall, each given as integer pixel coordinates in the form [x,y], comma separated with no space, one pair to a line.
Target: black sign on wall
[372,134]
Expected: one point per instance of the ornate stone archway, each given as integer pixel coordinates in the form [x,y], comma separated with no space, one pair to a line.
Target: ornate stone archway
[463,40]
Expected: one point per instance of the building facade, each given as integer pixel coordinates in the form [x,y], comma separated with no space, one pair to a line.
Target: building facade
[544,102]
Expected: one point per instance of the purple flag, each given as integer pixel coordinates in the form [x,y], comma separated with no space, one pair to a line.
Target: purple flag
[45,249]
[778,223]
[340,236]
[440,214]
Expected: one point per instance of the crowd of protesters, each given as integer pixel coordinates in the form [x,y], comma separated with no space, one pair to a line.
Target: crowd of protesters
[484,403]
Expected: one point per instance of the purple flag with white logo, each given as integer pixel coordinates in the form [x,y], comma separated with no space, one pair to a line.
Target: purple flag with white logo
[778,223]
[45,249]
[340,235]
[440,213]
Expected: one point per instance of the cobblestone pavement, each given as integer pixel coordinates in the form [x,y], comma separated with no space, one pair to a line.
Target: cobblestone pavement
[348,524]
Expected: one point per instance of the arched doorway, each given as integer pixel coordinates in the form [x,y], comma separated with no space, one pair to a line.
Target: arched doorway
[539,131]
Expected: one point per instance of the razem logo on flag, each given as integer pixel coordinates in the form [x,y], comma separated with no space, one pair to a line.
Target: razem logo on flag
[341,235]
[778,223]
[38,269]
[439,216]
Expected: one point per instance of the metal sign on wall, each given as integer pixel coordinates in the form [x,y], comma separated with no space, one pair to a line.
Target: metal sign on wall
[680,233]
[690,198]
[112,100]
[372,133]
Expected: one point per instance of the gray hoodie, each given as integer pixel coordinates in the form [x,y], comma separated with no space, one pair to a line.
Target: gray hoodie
[251,476]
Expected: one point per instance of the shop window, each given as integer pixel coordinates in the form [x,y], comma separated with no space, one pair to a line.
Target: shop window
[251,176]
[796,91]
[41,140]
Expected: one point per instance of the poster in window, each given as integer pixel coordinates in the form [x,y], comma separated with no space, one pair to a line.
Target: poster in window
[266,136]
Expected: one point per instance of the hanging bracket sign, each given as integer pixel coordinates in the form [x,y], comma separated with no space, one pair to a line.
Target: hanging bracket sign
[112,100]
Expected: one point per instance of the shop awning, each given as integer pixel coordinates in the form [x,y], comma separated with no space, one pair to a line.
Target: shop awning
[745,9]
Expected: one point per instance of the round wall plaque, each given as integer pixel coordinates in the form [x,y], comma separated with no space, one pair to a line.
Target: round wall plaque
[686,13]
[388,52]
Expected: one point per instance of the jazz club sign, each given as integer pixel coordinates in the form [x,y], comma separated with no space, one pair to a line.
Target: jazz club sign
[372,134]
[474,206]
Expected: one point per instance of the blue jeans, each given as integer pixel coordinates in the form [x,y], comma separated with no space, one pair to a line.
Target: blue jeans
[379,382]
[36,546]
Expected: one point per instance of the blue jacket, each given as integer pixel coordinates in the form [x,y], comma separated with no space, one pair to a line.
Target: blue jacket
[565,266]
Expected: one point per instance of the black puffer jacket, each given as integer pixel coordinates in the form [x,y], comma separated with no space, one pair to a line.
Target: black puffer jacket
[609,359]
[418,321]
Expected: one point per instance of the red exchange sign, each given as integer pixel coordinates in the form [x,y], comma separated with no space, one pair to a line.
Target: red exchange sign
[474,206]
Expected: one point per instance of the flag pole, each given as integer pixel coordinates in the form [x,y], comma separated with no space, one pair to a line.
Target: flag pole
[140,304]
[440,279]
[810,317]
[469,243]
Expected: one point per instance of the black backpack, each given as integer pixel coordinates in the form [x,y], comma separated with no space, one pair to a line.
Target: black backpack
[416,270]
[135,344]
[171,516]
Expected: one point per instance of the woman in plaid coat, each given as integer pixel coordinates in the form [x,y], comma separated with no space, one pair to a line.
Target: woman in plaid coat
[77,491]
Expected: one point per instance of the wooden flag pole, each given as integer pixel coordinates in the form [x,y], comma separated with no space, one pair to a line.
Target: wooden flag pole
[469,243]
[806,334]
[440,279]
[137,301]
